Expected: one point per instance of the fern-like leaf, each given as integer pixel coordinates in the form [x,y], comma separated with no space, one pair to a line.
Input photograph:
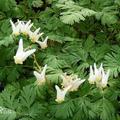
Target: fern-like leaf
[73,13]
[112,62]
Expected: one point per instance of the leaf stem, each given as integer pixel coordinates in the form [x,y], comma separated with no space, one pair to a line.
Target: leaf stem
[35,61]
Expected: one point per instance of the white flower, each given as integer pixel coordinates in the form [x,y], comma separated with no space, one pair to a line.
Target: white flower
[98,72]
[95,74]
[43,44]
[22,55]
[104,80]
[71,80]
[61,93]
[92,77]
[66,79]
[40,76]
[98,76]
[21,27]
[15,28]
[75,84]
[25,27]
[34,36]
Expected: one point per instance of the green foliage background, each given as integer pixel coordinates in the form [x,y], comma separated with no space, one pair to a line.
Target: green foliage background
[80,32]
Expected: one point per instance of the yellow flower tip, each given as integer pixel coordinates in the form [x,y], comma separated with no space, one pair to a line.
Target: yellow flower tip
[16,34]
[101,87]
[104,86]
[40,82]
[25,33]
[17,60]
[73,90]
[33,39]
[44,46]
[59,100]
[91,81]
[98,78]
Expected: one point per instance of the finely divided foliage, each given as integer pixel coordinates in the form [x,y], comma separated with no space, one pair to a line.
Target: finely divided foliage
[60,60]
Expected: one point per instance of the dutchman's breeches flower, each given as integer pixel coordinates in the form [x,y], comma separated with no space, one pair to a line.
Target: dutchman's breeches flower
[72,80]
[92,77]
[61,93]
[98,76]
[66,79]
[98,72]
[25,27]
[22,55]
[34,36]
[104,80]
[40,76]
[43,44]
[15,28]
[75,84]
[95,74]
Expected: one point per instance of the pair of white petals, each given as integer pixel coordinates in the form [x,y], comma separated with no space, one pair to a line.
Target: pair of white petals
[61,93]
[72,80]
[98,76]
[21,54]
[24,28]
[40,76]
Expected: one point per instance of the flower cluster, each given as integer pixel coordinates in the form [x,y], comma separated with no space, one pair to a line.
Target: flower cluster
[69,83]
[22,55]
[22,27]
[71,80]
[98,76]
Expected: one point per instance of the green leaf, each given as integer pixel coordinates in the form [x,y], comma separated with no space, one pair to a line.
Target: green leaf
[89,43]
[73,13]
[6,41]
[37,3]
[9,97]
[84,109]
[54,62]
[7,114]
[35,110]
[112,62]
[27,96]
[108,19]
[65,110]
[6,5]
[97,55]
[106,110]
[13,74]
[53,75]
